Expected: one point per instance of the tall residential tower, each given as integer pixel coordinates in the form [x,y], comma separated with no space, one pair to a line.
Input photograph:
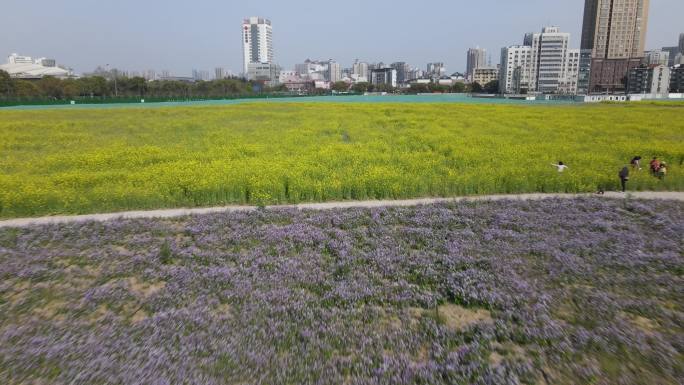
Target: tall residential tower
[613,40]
[257,41]
[477,57]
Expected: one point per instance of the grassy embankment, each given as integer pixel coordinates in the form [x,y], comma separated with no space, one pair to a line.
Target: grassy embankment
[99,160]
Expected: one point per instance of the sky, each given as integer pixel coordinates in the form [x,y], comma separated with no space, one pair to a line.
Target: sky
[180,36]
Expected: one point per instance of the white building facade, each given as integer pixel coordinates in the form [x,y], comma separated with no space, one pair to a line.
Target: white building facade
[570,80]
[549,49]
[257,41]
[333,72]
[515,74]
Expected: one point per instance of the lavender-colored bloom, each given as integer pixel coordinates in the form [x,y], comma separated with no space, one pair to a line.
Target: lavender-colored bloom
[481,293]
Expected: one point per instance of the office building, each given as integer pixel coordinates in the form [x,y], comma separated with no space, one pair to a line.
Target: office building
[265,73]
[257,41]
[516,70]
[615,32]
[679,59]
[657,57]
[569,82]
[672,53]
[483,75]
[681,43]
[436,70]
[677,78]
[477,57]
[18,59]
[403,71]
[219,73]
[653,80]
[549,50]
[312,70]
[386,76]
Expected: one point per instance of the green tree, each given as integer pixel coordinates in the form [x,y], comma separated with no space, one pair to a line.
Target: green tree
[419,88]
[360,88]
[475,87]
[6,85]
[492,87]
[51,87]
[458,87]
[340,86]
[26,90]
[70,88]
[434,88]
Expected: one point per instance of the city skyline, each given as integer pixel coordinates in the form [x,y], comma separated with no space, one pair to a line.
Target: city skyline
[207,44]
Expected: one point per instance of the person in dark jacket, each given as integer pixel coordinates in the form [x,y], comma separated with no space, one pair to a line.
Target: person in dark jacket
[624,177]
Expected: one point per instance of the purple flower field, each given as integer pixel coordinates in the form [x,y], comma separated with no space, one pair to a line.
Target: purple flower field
[582,291]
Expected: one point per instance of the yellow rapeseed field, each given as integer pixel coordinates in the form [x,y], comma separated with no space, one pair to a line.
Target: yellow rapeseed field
[100,160]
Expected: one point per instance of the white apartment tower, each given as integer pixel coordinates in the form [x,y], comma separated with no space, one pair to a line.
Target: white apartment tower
[515,74]
[360,71]
[333,73]
[257,42]
[550,51]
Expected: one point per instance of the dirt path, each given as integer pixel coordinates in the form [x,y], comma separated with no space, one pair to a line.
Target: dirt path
[171,213]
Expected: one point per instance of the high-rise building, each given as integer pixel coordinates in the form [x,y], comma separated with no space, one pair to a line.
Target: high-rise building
[477,57]
[360,71]
[681,43]
[653,80]
[334,71]
[568,84]
[615,32]
[516,70]
[257,41]
[657,56]
[672,53]
[386,76]
[403,70]
[549,51]
[435,70]
[219,73]
[677,78]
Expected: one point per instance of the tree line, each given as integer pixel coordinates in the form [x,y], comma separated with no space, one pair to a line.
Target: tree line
[122,87]
[138,87]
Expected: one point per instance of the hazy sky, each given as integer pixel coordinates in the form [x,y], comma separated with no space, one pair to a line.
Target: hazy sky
[204,34]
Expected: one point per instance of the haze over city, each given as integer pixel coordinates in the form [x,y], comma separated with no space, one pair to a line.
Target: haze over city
[180,36]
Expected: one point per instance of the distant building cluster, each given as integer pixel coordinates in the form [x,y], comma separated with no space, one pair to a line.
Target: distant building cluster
[28,68]
[259,66]
[612,59]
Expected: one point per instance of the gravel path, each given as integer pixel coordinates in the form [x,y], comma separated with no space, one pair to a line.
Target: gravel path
[172,213]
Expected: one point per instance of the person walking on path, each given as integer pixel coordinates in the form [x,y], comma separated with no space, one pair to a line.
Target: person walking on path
[624,177]
[560,166]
